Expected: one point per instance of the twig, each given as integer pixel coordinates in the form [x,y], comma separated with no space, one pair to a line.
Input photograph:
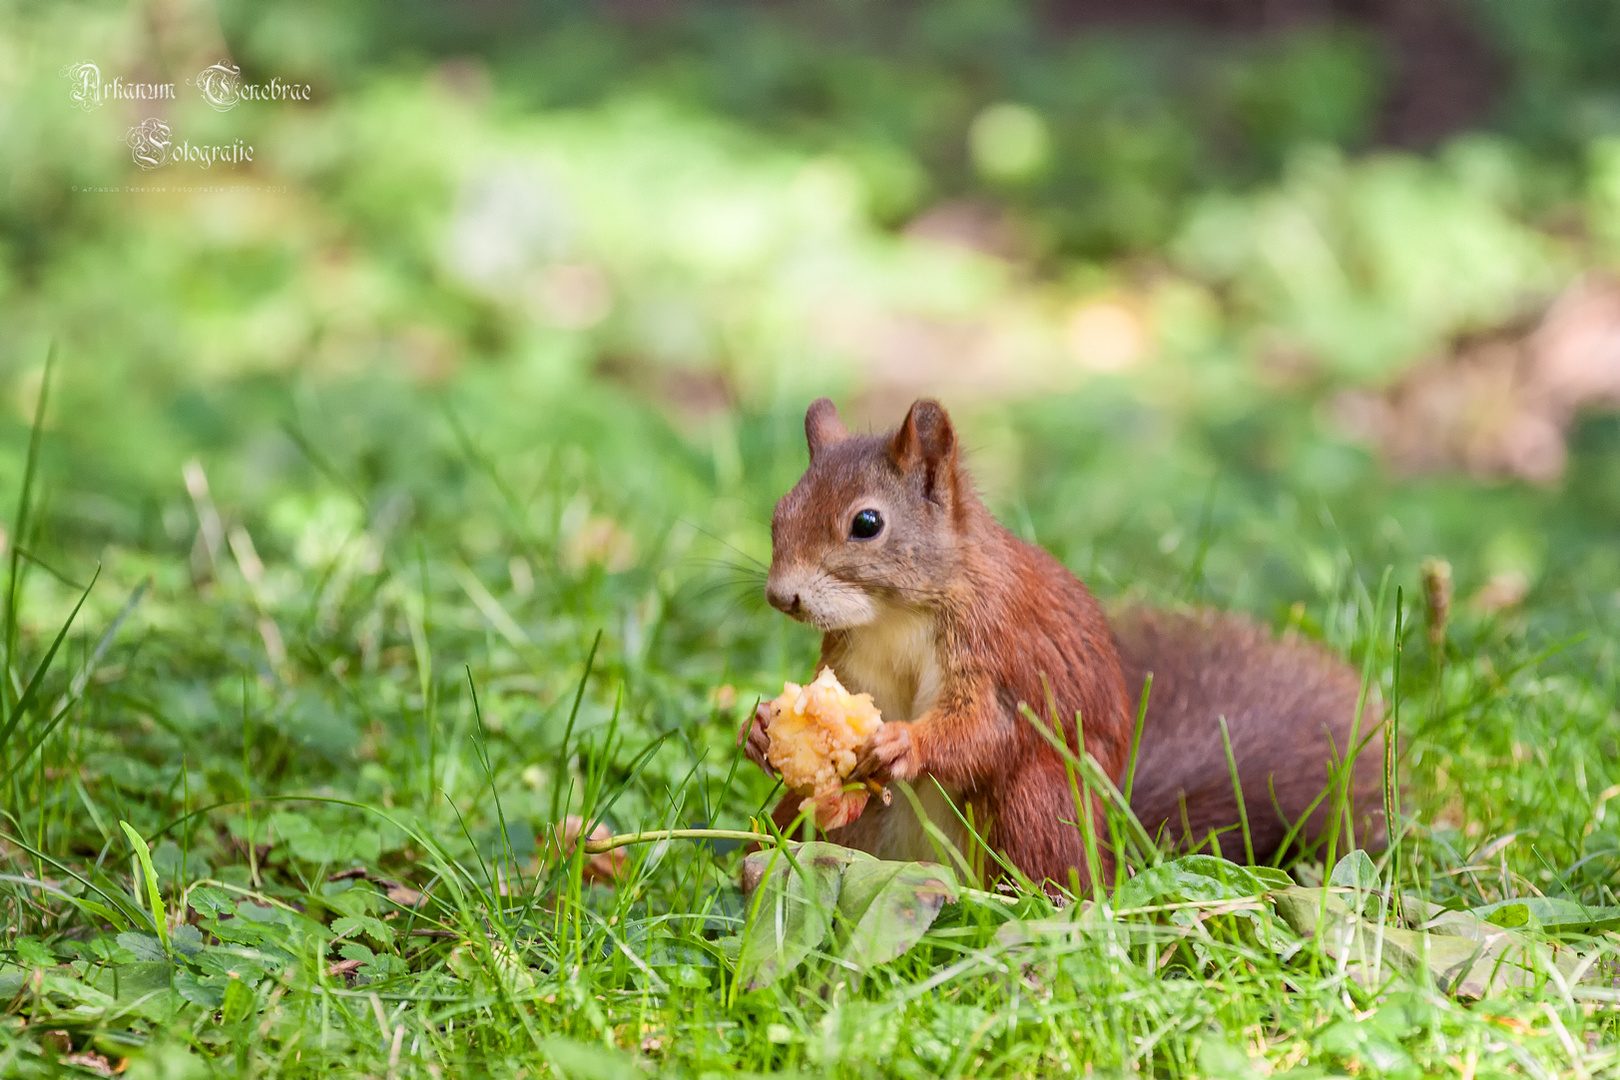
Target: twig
[596,847]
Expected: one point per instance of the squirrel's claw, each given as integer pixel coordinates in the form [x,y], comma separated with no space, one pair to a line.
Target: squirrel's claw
[890,754]
[756,740]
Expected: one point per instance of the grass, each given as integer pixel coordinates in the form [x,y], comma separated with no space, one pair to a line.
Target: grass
[314,725]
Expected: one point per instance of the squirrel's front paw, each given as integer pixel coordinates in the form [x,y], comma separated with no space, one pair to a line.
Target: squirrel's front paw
[890,754]
[755,739]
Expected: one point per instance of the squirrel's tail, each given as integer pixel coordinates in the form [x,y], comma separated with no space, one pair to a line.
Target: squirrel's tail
[1290,709]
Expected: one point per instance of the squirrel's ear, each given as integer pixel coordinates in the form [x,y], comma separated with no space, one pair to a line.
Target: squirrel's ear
[928,441]
[822,427]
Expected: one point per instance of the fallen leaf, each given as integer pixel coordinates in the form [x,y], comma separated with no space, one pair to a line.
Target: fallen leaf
[1194,878]
[1550,913]
[790,912]
[1355,871]
[476,962]
[758,863]
[604,867]
[95,1062]
[1465,956]
[889,906]
[880,909]
[404,896]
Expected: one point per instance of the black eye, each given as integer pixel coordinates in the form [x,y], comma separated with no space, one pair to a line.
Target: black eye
[867,524]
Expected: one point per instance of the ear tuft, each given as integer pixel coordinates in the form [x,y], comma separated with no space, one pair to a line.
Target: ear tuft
[928,441]
[822,427]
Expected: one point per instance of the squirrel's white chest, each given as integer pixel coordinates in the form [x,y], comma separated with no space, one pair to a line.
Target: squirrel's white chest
[895,658]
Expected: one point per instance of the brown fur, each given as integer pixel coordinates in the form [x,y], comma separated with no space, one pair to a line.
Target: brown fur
[1289,706]
[953,623]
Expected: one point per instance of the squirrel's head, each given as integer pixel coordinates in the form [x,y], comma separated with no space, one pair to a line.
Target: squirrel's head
[875,520]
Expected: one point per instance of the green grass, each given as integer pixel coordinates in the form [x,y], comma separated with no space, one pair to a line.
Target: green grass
[338,575]
[408,634]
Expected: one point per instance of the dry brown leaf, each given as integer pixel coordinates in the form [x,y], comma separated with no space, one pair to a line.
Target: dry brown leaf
[95,1062]
[404,896]
[604,867]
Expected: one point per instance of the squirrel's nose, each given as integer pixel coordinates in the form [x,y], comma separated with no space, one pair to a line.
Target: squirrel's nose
[783,600]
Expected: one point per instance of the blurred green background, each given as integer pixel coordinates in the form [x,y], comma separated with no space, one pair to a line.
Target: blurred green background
[1179,266]
[505,335]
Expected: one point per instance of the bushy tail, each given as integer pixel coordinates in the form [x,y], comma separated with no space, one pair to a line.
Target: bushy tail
[1289,706]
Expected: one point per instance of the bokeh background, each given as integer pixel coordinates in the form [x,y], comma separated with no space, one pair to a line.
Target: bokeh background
[1235,301]
[1147,249]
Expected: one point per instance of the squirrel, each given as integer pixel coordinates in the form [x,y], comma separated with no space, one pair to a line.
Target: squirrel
[955,627]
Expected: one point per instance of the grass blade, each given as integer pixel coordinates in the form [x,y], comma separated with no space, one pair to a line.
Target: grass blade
[154,896]
[1237,793]
[32,689]
[19,530]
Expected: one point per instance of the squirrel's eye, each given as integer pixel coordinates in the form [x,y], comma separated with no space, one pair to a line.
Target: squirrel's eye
[867,524]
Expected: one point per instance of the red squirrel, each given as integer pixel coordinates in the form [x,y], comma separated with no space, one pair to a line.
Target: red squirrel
[952,624]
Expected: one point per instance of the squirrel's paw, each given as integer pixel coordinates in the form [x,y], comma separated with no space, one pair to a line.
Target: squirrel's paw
[890,754]
[835,809]
[755,739]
